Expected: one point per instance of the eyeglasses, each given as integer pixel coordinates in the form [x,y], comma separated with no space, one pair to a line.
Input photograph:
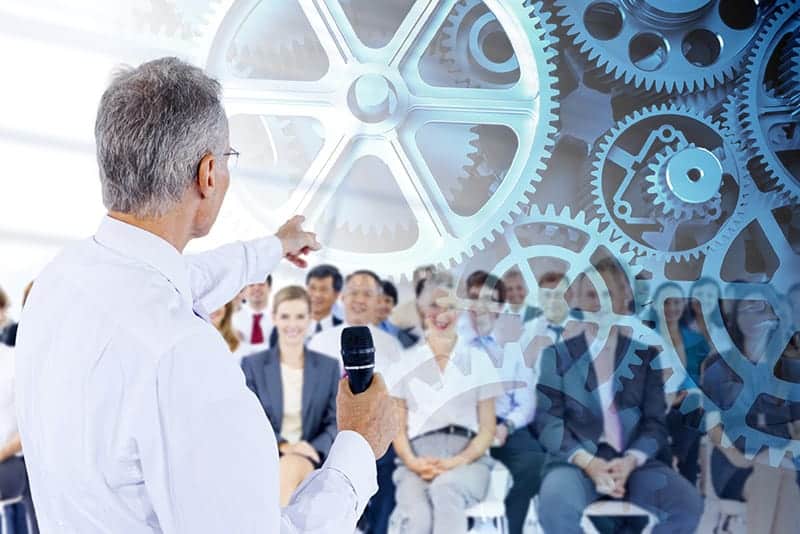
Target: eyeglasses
[234,155]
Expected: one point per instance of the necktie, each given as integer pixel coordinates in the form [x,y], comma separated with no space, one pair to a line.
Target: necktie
[257,336]
[318,329]
[558,330]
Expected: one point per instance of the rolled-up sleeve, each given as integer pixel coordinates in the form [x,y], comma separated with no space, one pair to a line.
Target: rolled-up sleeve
[218,275]
[214,461]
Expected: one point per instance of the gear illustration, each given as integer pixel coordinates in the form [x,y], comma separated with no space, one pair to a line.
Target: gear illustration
[573,241]
[373,108]
[676,192]
[766,109]
[758,379]
[662,45]
[475,48]
[684,160]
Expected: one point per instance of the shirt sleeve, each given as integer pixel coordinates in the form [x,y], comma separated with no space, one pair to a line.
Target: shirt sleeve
[213,444]
[218,275]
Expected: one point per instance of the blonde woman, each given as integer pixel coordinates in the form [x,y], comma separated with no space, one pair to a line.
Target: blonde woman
[297,388]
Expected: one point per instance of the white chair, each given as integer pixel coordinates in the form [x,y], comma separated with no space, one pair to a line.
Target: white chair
[489,515]
[615,509]
[720,516]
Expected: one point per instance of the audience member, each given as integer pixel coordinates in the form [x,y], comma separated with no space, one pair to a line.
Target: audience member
[222,319]
[324,283]
[607,434]
[671,321]
[360,298]
[514,444]
[405,315]
[8,336]
[771,493]
[13,475]
[517,294]
[548,329]
[449,425]
[297,388]
[386,303]
[705,315]
[253,321]
[5,304]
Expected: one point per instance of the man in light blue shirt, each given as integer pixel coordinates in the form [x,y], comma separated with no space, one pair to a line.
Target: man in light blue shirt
[134,418]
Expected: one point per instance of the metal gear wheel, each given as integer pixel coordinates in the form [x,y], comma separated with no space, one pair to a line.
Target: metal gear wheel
[622,182]
[372,104]
[573,241]
[662,45]
[766,110]
[677,191]
[475,48]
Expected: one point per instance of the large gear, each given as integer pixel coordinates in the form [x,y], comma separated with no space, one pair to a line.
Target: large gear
[662,45]
[758,379]
[357,126]
[622,168]
[575,241]
[766,109]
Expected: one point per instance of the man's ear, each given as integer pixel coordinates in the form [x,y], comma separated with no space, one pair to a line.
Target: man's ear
[206,181]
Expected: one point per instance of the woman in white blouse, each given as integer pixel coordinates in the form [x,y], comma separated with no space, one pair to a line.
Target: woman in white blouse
[297,389]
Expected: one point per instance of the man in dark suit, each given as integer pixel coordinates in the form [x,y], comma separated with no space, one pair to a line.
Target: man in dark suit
[603,421]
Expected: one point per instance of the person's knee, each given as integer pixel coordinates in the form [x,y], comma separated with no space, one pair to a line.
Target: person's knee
[562,498]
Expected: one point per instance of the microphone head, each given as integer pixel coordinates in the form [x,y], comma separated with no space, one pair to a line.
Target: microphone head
[357,346]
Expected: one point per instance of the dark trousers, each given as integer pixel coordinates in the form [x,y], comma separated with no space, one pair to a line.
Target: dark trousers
[685,441]
[523,457]
[566,491]
[382,503]
[14,483]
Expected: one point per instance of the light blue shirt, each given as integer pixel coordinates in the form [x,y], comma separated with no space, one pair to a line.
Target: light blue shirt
[135,418]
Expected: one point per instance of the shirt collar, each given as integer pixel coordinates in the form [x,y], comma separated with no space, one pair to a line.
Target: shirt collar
[141,245]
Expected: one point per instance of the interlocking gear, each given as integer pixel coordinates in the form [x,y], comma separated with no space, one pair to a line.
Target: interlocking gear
[685,159]
[662,45]
[765,111]
[373,105]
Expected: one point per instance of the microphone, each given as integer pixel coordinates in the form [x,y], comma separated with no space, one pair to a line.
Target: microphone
[358,355]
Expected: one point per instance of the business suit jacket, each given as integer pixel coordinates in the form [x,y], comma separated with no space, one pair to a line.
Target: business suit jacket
[320,386]
[569,413]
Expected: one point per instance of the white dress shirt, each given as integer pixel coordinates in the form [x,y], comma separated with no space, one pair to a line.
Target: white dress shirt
[243,323]
[323,324]
[134,417]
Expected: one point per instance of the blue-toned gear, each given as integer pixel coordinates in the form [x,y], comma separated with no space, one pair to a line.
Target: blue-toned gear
[686,142]
[373,103]
[766,111]
[680,193]
[662,45]
[571,241]
[475,49]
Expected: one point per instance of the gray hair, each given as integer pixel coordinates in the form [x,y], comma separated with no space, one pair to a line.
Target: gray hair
[154,125]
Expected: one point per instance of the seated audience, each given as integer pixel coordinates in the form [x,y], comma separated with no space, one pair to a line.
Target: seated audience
[514,443]
[8,335]
[517,297]
[449,425]
[253,321]
[386,303]
[405,315]
[360,298]
[297,388]
[771,493]
[605,426]
[5,304]
[323,283]
[222,319]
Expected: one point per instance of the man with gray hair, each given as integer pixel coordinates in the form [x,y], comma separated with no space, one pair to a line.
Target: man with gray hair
[134,418]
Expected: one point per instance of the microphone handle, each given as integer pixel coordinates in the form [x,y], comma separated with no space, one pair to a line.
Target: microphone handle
[359,377]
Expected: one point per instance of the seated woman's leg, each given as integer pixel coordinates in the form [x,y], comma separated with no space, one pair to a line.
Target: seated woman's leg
[671,498]
[452,492]
[565,493]
[293,470]
[413,508]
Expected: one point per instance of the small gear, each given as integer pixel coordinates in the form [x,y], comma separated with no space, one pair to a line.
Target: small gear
[622,165]
[574,243]
[662,45]
[475,48]
[679,194]
[766,110]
